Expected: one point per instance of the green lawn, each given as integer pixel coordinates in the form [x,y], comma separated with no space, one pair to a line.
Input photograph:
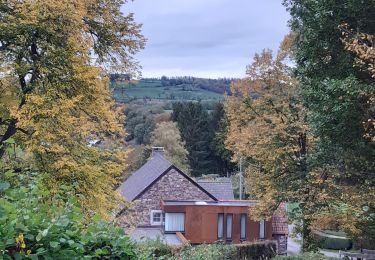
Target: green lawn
[124,92]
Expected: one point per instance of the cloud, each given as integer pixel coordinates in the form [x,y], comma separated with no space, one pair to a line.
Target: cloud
[210,38]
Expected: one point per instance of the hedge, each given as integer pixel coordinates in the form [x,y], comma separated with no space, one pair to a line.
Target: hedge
[328,241]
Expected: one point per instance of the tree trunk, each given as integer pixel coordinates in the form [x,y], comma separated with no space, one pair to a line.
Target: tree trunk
[11,130]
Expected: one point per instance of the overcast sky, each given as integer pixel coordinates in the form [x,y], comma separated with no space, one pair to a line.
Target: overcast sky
[206,38]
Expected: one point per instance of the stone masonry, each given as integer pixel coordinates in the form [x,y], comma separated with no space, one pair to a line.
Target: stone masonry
[172,186]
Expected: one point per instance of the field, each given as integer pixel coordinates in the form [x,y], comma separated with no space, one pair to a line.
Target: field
[153,89]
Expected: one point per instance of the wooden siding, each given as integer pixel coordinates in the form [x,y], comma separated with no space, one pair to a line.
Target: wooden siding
[201,222]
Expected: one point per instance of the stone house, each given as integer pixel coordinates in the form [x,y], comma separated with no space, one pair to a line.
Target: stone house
[166,202]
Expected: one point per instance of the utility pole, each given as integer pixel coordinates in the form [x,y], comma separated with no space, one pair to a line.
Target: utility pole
[241,181]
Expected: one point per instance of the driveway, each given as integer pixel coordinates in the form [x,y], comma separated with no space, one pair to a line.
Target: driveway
[294,248]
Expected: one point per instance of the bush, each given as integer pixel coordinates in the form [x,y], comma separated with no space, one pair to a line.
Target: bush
[34,224]
[305,256]
[256,250]
[206,252]
[337,243]
[151,249]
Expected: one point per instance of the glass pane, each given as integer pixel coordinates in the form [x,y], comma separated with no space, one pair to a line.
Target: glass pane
[261,229]
[220,226]
[175,222]
[229,226]
[157,217]
[243,226]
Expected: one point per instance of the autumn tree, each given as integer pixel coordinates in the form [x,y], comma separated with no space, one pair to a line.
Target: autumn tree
[267,126]
[53,54]
[167,135]
[333,64]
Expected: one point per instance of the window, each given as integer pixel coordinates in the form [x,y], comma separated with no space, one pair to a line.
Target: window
[174,222]
[229,226]
[262,228]
[156,218]
[220,226]
[243,218]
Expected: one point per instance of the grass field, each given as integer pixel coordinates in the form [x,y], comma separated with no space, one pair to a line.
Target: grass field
[125,92]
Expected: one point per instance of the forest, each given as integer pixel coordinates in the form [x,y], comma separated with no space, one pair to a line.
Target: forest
[302,120]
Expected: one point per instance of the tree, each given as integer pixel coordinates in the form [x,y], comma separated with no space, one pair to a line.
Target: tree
[271,132]
[167,135]
[338,93]
[50,53]
[192,121]
[219,127]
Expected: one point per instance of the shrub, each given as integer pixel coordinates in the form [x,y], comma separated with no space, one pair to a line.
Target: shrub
[256,250]
[305,256]
[151,249]
[206,252]
[36,225]
[330,242]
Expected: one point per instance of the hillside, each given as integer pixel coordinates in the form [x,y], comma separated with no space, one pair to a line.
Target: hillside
[184,88]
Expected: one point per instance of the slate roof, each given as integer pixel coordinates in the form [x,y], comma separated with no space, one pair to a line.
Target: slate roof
[144,176]
[221,189]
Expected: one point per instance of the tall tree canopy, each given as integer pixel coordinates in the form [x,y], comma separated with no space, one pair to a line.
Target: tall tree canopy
[192,120]
[52,58]
[167,135]
[271,131]
[339,95]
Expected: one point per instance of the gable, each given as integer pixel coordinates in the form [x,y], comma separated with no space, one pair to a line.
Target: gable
[174,185]
[144,176]
[175,181]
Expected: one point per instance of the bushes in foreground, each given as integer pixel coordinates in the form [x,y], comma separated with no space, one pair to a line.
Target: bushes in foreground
[158,250]
[36,225]
[305,256]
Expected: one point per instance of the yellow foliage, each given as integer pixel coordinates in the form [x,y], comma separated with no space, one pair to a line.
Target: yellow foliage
[55,94]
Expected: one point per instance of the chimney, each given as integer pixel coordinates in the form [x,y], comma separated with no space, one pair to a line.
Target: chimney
[157,151]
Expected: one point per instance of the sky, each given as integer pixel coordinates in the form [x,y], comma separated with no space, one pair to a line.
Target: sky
[206,38]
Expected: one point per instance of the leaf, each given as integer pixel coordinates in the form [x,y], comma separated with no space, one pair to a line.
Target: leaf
[9,174]
[44,232]
[54,244]
[38,237]
[4,185]
[10,141]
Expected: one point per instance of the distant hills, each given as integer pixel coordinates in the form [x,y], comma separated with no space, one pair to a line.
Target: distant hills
[169,89]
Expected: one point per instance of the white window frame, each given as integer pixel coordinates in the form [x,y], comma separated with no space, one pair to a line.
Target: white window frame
[156,223]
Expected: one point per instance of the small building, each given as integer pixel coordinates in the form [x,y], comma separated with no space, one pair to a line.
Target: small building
[167,203]
[211,221]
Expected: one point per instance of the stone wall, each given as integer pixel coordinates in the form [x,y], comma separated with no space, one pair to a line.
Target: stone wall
[172,186]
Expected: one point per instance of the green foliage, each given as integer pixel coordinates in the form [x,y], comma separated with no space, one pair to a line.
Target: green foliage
[167,135]
[141,121]
[207,252]
[184,88]
[305,256]
[198,129]
[334,243]
[254,251]
[37,225]
[151,249]
[339,96]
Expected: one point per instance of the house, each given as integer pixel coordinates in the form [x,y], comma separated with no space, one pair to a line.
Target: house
[168,203]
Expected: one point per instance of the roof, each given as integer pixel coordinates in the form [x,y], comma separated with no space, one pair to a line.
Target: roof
[221,189]
[279,221]
[144,176]
[236,203]
[148,174]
